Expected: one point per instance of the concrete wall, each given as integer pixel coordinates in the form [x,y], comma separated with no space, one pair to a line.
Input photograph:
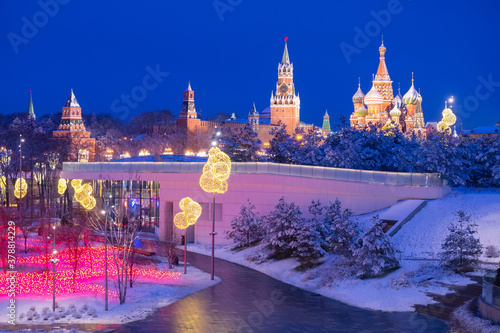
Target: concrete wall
[264,184]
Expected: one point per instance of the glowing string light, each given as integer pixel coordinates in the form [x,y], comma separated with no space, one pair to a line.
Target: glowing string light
[191,211]
[20,188]
[62,185]
[216,172]
[86,279]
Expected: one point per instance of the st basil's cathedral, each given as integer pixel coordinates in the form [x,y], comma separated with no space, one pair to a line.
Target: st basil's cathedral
[379,106]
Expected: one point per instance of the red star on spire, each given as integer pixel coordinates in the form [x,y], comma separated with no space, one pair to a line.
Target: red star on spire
[286,38]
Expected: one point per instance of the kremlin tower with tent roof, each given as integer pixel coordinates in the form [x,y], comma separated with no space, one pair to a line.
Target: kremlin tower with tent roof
[82,146]
[379,106]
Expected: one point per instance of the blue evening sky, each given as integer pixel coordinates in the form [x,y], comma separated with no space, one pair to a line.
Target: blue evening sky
[230,49]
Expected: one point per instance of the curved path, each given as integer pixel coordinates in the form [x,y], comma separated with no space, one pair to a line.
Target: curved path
[248,301]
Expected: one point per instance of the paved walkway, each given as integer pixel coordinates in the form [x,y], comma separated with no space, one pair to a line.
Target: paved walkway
[248,301]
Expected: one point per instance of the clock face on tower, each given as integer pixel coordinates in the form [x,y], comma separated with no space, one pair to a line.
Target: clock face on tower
[283,88]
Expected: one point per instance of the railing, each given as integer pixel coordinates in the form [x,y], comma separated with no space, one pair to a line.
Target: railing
[491,293]
[349,175]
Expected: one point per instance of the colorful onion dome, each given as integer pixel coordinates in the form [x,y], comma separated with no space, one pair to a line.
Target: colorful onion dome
[373,97]
[358,96]
[395,112]
[361,112]
[398,101]
[411,97]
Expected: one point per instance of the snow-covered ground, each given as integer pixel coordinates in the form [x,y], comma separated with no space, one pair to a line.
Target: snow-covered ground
[423,235]
[142,300]
[420,238]
[397,291]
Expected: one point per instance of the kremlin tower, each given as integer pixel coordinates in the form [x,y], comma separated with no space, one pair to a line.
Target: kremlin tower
[380,106]
[72,128]
[285,104]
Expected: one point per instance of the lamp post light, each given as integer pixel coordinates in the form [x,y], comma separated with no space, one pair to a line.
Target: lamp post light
[214,179]
[54,261]
[21,140]
[105,260]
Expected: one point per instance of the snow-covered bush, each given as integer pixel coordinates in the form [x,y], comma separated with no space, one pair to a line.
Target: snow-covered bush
[92,312]
[463,320]
[340,269]
[491,251]
[375,253]
[246,227]
[461,248]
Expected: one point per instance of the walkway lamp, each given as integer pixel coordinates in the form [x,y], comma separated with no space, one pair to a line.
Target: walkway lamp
[214,180]
[191,211]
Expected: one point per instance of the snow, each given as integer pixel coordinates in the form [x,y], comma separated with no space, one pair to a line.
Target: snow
[142,300]
[400,210]
[370,293]
[422,236]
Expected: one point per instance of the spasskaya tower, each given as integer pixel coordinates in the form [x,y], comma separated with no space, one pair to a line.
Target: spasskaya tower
[285,104]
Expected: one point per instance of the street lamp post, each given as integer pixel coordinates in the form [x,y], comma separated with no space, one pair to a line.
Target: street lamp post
[105,261]
[214,179]
[21,140]
[54,261]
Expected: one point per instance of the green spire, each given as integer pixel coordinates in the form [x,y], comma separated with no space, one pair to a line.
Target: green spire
[326,123]
[31,110]
[286,58]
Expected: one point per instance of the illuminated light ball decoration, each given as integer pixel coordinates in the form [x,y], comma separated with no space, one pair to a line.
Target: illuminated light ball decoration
[448,120]
[62,185]
[20,188]
[3,188]
[216,172]
[83,194]
[191,211]
[389,127]
[86,280]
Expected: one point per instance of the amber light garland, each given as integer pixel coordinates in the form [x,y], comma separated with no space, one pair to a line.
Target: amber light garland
[216,172]
[20,188]
[191,211]
[448,120]
[40,284]
[62,185]
[83,194]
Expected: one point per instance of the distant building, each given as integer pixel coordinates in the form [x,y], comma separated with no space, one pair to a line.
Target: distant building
[483,131]
[82,146]
[31,110]
[284,108]
[326,129]
[380,106]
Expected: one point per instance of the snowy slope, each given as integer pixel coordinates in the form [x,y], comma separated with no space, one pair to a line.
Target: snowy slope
[422,236]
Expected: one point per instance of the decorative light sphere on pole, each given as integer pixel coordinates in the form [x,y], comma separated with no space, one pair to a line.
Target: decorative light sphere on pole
[191,211]
[62,185]
[214,180]
[20,188]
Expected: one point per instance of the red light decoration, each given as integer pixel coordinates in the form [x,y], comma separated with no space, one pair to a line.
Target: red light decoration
[86,278]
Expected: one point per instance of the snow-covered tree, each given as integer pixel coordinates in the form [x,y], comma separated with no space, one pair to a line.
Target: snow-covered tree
[461,248]
[247,227]
[343,227]
[281,226]
[282,146]
[310,150]
[290,235]
[375,253]
[241,144]
[308,244]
